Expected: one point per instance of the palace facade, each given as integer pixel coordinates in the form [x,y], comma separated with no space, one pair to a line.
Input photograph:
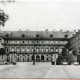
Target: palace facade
[40,43]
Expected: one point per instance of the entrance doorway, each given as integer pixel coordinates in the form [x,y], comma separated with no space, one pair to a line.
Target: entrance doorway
[42,58]
[37,58]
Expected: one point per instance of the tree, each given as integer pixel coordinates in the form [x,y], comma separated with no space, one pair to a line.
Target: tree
[74,51]
[64,52]
[3,18]
[60,59]
[65,57]
[2,51]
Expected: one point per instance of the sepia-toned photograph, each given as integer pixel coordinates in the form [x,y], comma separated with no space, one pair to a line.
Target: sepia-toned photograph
[39,39]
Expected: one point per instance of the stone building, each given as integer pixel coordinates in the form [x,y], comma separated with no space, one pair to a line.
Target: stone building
[75,45]
[23,43]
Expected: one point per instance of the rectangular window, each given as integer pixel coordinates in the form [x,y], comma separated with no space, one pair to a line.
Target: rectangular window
[37,49]
[37,41]
[32,50]
[60,50]
[29,42]
[28,50]
[23,49]
[51,42]
[57,42]
[54,42]
[13,42]
[18,49]
[7,49]
[32,41]
[22,41]
[56,49]
[52,49]
[17,42]
[13,49]
[42,50]
[47,49]
[7,41]
[41,41]
[46,42]
[61,42]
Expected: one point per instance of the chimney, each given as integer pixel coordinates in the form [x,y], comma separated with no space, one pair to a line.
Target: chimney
[27,30]
[53,30]
[46,30]
[19,29]
[67,31]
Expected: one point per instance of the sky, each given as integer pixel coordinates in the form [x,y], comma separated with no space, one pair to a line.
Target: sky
[40,15]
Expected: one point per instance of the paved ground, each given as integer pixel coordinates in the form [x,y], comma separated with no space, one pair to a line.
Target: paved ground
[25,70]
[64,72]
[40,70]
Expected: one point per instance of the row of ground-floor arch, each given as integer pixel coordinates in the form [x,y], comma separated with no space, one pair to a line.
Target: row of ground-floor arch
[24,58]
[27,57]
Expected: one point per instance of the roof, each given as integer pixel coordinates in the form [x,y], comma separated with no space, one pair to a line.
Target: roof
[34,34]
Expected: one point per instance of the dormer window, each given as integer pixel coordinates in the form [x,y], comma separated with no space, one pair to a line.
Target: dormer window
[66,36]
[7,35]
[37,36]
[23,35]
[51,36]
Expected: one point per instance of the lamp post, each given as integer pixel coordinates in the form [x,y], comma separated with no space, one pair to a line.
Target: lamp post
[51,57]
[34,57]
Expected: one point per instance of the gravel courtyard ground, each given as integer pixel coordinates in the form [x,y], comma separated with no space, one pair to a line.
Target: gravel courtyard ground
[25,70]
[40,70]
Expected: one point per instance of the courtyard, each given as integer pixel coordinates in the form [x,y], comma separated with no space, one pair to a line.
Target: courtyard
[25,70]
[39,70]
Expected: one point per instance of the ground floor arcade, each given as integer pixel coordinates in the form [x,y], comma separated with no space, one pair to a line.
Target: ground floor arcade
[20,57]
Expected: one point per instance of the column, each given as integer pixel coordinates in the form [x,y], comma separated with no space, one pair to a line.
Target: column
[44,57]
[40,58]
[10,57]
